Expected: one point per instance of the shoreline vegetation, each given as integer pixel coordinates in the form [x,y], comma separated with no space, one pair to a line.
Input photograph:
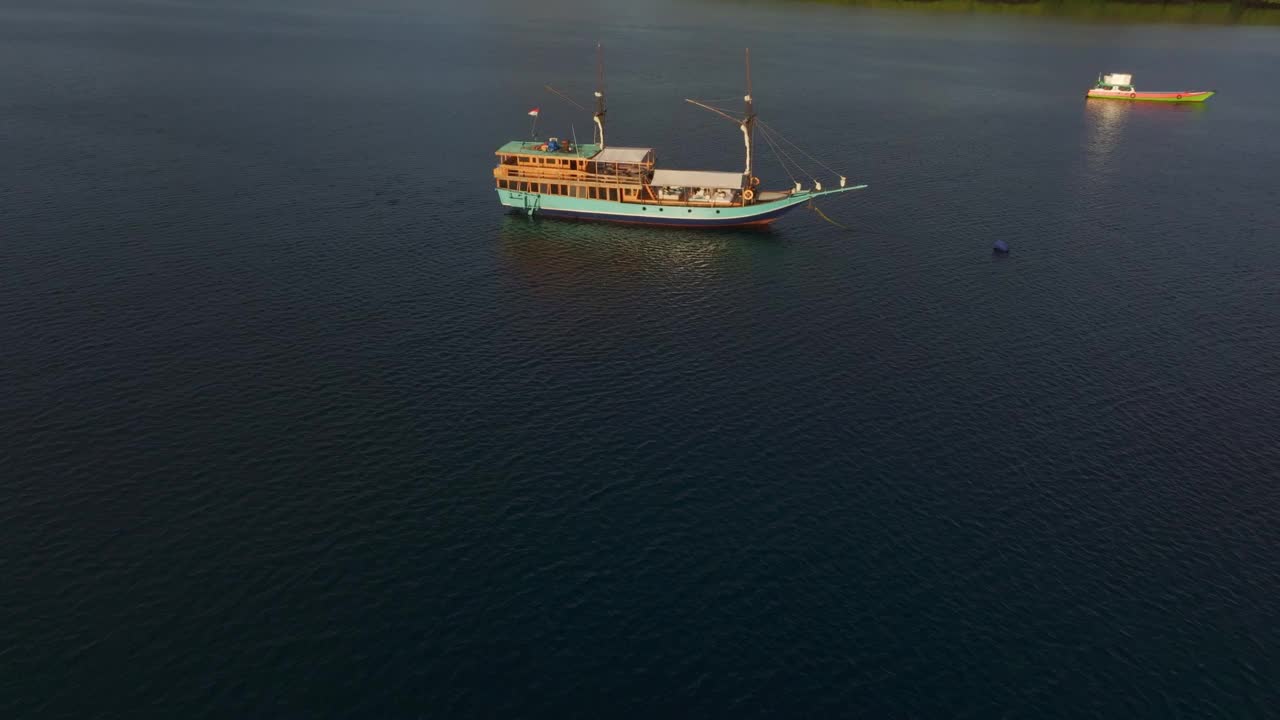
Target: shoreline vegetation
[1228,12]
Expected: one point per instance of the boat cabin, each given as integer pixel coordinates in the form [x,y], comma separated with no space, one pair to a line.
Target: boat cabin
[620,174]
[1119,82]
[699,187]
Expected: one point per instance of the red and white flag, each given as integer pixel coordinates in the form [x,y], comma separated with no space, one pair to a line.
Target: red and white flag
[533,112]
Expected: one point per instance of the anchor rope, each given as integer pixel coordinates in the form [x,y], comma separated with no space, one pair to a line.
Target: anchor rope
[815,208]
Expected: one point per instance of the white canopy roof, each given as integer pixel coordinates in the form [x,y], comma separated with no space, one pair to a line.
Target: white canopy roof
[1117,79]
[622,155]
[698,179]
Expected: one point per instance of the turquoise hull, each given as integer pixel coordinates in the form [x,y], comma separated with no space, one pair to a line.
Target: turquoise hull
[758,214]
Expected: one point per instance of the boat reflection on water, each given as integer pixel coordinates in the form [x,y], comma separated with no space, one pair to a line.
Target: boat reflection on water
[562,255]
[1105,121]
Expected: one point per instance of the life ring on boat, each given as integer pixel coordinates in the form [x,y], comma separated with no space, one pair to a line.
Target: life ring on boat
[748,194]
[1133,95]
[754,181]
[1179,96]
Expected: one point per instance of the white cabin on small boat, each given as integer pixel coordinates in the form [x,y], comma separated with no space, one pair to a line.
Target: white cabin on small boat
[1119,82]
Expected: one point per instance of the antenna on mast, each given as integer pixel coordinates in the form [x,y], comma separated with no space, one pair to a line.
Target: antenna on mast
[598,116]
[749,121]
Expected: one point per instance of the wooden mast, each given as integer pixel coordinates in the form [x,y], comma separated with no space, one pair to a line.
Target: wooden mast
[598,116]
[749,120]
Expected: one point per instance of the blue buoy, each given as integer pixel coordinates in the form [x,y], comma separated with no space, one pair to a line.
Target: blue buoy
[1001,247]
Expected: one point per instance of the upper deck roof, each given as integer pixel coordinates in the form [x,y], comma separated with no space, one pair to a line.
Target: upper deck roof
[699,179]
[624,155]
[528,147]
[621,155]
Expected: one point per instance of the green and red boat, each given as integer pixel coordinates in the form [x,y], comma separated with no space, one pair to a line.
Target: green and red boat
[1119,86]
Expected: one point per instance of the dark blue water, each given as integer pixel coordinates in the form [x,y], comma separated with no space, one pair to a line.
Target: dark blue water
[296,423]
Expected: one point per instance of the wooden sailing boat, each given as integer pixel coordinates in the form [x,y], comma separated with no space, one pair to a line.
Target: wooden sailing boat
[595,181]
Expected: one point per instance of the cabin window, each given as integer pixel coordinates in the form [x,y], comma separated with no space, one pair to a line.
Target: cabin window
[502,184]
[613,193]
[564,189]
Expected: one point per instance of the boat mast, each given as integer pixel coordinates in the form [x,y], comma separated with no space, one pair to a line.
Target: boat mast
[598,116]
[749,120]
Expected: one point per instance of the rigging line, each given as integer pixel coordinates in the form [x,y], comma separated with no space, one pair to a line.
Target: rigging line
[781,154]
[784,158]
[797,147]
[781,160]
[564,97]
[782,151]
[777,155]
[721,113]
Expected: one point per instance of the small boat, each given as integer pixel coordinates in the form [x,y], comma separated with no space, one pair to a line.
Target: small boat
[594,181]
[1119,86]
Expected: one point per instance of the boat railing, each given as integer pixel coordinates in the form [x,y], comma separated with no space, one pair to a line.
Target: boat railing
[564,175]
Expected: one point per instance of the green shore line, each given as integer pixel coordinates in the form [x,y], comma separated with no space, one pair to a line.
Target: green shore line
[1240,12]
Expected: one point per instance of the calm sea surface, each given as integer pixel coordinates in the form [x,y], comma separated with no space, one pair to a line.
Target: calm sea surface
[295,422]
